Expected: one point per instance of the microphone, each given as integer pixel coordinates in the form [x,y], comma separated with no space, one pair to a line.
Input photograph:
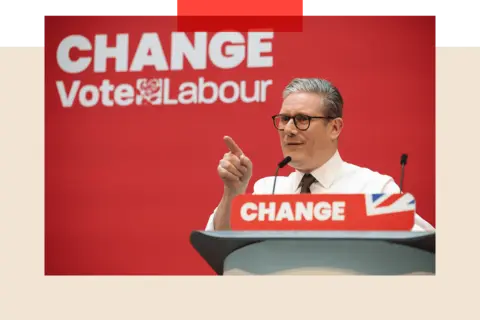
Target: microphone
[403,162]
[282,164]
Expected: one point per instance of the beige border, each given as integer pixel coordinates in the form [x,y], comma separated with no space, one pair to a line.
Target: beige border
[26,294]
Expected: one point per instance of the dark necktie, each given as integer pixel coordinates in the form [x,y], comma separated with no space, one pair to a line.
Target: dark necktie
[306,182]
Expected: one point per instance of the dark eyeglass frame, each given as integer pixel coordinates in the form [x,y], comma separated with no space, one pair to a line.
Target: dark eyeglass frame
[295,120]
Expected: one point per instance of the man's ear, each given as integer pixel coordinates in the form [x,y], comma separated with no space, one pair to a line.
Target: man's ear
[336,126]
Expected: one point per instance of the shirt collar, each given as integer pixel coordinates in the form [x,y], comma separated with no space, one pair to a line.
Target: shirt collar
[325,174]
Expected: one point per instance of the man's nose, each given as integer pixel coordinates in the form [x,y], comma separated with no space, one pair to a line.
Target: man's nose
[290,128]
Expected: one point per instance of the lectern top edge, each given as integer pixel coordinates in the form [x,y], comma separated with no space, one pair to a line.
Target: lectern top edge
[215,246]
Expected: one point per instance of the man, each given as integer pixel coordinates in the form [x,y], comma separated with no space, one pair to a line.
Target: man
[309,123]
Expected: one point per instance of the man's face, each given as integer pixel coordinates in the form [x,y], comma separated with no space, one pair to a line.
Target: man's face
[307,148]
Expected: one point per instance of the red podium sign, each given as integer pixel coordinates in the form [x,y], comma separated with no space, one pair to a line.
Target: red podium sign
[352,212]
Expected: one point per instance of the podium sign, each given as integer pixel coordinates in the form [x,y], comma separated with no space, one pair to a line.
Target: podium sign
[345,212]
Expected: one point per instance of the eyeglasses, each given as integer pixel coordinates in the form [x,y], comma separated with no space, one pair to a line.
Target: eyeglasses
[301,121]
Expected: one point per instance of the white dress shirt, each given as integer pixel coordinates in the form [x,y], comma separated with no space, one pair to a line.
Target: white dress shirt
[335,176]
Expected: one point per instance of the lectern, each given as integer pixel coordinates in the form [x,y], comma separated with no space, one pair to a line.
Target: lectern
[316,252]
[319,234]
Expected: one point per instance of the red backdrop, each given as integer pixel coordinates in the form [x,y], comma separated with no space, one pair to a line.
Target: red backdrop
[125,185]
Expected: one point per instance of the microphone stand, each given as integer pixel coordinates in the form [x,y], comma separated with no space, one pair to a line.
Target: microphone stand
[403,162]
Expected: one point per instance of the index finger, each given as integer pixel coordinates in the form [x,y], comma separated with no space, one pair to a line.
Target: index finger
[232,146]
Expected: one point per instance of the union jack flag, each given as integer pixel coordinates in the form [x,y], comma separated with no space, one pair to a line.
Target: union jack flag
[377,204]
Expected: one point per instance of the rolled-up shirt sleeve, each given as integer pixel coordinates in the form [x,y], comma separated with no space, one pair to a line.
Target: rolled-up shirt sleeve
[210,226]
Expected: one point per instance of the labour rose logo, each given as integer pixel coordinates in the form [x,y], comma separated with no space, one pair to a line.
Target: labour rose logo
[150,90]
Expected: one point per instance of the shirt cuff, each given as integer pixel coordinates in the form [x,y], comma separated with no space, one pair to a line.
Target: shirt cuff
[210,226]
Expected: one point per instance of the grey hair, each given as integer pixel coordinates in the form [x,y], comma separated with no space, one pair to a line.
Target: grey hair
[332,98]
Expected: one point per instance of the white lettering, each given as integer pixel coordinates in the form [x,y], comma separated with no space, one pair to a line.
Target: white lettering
[85,92]
[225,50]
[105,90]
[149,53]
[266,211]
[187,96]
[338,211]
[255,49]
[157,91]
[166,93]
[223,88]
[124,95]
[195,54]
[285,212]
[119,53]
[234,53]
[67,99]
[323,211]
[201,88]
[264,86]
[304,211]
[63,54]
[244,211]
[256,92]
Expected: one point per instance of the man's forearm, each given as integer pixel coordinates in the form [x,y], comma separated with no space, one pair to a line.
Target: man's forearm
[221,220]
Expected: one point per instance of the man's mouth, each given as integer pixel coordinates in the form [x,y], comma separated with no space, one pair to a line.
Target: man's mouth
[294,143]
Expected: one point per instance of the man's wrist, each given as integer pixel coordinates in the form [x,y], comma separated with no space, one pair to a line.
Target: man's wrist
[228,195]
